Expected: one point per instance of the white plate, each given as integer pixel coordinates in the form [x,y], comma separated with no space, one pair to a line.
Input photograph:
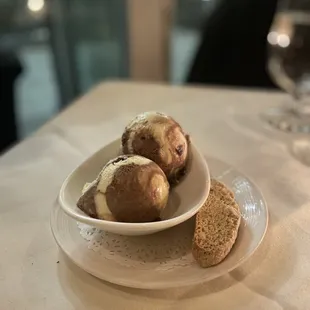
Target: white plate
[162,260]
[184,200]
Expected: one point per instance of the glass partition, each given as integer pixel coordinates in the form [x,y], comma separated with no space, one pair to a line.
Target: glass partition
[63,47]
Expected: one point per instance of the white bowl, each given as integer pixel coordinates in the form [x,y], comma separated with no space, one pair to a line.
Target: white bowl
[185,199]
[163,260]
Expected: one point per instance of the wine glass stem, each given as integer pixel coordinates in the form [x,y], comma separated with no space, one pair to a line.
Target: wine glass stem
[301,110]
[299,107]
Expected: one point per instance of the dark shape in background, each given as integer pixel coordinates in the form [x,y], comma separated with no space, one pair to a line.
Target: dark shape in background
[10,69]
[233,49]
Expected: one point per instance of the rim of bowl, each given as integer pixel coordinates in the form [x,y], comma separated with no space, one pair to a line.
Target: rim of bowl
[133,226]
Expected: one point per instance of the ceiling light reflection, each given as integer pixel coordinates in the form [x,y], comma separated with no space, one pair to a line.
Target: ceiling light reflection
[283,40]
[35,5]
[274,38]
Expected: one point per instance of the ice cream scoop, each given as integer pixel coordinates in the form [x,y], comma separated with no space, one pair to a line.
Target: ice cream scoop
[160,138]
[129,188]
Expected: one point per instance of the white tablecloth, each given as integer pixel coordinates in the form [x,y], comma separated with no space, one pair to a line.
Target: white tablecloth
[34,275]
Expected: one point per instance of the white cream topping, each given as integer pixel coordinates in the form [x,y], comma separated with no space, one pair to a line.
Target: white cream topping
[103,211]
[106,178]
[102,208]
[87,186]
[146,116]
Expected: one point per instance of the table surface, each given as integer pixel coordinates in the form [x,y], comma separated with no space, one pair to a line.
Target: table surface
[225,123]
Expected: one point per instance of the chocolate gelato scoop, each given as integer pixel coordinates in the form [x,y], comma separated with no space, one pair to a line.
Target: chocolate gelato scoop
[129,188]
[160,138]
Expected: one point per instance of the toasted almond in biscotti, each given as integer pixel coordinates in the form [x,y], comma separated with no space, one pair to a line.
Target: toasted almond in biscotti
[217,225]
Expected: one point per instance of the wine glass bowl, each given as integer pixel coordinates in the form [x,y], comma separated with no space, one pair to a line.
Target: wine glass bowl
[289,65]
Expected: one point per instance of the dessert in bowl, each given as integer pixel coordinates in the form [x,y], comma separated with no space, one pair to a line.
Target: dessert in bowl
[160,138]
[134,194]
[129,188]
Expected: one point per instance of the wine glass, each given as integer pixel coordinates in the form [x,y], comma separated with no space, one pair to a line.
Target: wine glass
[289,65]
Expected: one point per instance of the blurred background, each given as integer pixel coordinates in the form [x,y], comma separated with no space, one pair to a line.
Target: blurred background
[51,52]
